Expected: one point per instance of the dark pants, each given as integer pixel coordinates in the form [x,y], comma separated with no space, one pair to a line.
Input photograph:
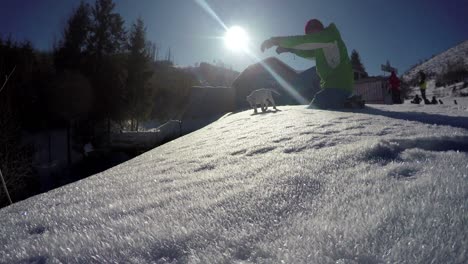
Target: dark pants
[423,94]
[329,98]
[396,99]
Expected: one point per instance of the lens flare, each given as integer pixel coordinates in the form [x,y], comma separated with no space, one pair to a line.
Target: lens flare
[241,40]
[282,82]
[236,38]
[204,5]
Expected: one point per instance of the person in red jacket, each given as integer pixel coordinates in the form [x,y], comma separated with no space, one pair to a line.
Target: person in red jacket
[395,88]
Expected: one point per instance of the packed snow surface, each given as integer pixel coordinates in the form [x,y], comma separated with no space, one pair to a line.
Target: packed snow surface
[385,184]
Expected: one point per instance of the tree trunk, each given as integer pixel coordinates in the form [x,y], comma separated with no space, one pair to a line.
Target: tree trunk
[108,130]
[68,143]
[136,126]
[49,145]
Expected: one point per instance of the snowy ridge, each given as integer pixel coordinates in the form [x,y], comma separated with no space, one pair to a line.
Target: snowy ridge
[385,184]
[437,64]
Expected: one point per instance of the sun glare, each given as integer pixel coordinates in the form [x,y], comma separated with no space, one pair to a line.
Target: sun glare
[236,38]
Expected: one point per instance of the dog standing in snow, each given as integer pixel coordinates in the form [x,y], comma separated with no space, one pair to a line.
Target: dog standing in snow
[262,97]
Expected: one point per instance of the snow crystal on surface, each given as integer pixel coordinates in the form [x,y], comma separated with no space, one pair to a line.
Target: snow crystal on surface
[385,184]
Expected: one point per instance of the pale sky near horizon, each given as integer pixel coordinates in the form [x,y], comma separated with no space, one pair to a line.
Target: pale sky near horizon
[403,32]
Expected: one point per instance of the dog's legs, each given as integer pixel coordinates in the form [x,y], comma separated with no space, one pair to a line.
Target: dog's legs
[272,103]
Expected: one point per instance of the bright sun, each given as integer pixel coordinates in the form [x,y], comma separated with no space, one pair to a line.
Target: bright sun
[236,38]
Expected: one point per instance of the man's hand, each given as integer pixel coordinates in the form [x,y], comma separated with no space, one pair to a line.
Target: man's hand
[268,44]
[280,50]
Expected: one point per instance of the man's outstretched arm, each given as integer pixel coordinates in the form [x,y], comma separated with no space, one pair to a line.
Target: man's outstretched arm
[304,42]
[300,53]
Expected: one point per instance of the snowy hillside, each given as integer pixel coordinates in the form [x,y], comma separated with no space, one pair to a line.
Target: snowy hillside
[438,63]
[211,75]
[453,90]
[386,184]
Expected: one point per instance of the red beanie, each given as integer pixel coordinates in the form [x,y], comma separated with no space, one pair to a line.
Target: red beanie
[313,25]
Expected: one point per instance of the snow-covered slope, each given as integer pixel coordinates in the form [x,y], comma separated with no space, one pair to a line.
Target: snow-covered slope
[437,64]
[446,93]
[386,184]
[211,75]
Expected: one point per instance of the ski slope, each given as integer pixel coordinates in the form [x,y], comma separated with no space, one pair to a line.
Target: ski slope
[385,184]
[439,63]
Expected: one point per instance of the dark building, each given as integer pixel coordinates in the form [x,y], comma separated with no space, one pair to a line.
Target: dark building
[208,103]
[265,75]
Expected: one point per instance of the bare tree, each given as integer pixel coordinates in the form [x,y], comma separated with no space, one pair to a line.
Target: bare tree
[7,77]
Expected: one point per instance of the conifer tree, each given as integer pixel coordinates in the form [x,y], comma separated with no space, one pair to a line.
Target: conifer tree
[139,97]
[105,46]
[357,64]
[70,53]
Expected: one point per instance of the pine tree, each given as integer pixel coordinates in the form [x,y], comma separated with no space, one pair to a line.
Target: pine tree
[357,64]
[69,96]
[70,52]
[139,98]
[106,65]
[108,35]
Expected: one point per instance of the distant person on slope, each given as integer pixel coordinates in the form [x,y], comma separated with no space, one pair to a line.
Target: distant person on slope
[395,88]
[416,100]
[423,86]
[332,61]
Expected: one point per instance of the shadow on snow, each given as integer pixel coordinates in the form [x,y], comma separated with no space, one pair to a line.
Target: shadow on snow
[432,119]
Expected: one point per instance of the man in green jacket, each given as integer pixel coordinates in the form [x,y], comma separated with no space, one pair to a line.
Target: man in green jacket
[332,62]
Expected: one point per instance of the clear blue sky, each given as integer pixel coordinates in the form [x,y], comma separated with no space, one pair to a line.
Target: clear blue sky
[402,31]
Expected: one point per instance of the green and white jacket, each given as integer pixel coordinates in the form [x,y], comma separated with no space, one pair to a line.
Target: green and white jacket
[329,52]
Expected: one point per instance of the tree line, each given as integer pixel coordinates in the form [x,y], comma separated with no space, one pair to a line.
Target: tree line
[120,67]
[99,76]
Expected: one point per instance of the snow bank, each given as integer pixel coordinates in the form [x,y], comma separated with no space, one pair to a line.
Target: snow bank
[386,184]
